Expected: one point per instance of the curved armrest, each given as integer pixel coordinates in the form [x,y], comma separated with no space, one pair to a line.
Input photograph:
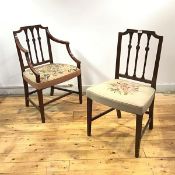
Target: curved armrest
[55,39]
[67,47]
[25,51]
[72,56]
[37,75]
[20,46]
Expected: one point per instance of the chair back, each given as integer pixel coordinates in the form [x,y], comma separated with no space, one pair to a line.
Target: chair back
[138,55]
[35,39]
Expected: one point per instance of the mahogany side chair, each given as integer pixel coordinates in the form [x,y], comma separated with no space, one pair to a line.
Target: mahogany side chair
[133,89]
[34,48]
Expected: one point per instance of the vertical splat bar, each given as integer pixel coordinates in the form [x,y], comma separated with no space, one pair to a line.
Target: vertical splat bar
[28,44]
[34,44]
[137,51]
[146,54]
[39,40]
[129,50]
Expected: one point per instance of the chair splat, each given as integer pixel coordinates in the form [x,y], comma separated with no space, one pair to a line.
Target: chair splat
[129,51]
[140,55]
[146,55]
[137,52]
[40,45]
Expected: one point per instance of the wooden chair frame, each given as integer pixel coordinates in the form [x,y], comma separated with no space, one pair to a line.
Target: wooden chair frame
[31,65]
[139,131]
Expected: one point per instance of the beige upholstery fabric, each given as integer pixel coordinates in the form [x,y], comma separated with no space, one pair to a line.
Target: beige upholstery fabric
[51,74]
[123,95]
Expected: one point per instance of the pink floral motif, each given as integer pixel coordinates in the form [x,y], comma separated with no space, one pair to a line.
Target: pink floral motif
[52,71]
[123,88]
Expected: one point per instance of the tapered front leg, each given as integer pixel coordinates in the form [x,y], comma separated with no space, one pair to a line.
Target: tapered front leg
[138,136]
[41,105]
[151,115]
[89,116]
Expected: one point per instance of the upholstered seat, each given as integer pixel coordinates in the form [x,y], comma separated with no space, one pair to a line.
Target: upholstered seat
[123,95]
[51,74]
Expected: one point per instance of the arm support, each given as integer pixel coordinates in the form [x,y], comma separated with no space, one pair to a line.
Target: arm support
[67,47]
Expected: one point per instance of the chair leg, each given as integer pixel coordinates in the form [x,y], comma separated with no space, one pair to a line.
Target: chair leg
[89,116]
[26,92]
[151,115]
[118,113]
[138,134]
[41,105]
[51,90]
[80,88]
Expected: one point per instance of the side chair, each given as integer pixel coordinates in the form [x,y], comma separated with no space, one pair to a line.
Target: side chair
[134,86]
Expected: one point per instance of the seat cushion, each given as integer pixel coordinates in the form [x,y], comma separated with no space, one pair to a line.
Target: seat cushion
[51,74]
[123,95]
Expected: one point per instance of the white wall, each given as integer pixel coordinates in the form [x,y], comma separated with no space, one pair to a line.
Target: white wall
[91,26]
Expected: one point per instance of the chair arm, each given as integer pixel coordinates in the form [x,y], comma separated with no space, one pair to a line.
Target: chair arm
[25,51]
[72,56]
[67,47]
[55,39]
[19,46]
[37,75]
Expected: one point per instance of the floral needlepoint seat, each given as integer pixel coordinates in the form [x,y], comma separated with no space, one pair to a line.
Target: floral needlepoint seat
[124,95]
[133,89]
[51,74]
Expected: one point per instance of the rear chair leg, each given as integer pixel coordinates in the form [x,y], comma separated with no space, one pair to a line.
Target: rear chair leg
[80,88]
[151,115]
[118,113]
[41,105]
[89,116]
[51,90]
[138,134]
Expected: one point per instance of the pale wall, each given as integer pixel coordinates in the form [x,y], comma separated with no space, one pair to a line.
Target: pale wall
[91,26]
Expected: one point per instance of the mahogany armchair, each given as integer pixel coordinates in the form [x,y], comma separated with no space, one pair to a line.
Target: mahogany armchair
[134,86]
[38,68]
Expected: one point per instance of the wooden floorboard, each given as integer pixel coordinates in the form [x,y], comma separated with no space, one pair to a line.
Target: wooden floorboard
[61,147]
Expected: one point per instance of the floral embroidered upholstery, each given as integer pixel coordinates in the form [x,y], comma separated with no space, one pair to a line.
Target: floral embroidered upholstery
[123,87]
[123,95]
[51,73]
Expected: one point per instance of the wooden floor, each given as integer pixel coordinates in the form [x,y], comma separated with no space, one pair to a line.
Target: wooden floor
[61,147]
